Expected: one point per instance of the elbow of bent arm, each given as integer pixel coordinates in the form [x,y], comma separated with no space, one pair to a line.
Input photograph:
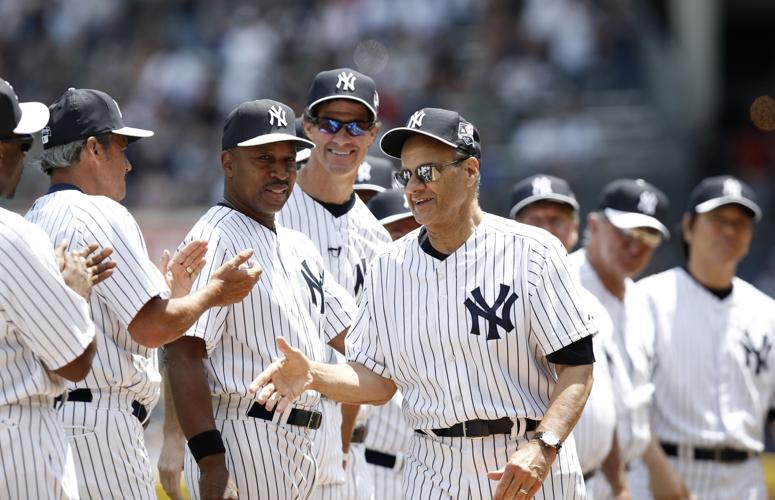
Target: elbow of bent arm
[79,368]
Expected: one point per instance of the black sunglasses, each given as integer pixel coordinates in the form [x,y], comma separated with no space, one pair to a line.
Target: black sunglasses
[428,172]
[25,143]
[332,126]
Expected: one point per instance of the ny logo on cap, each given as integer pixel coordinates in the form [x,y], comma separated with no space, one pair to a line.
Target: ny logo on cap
[118,109]
[647,203]
[542,185]
[416,120]
[346,81]
[277,113]
[364,172]
[733,188]
[376,100]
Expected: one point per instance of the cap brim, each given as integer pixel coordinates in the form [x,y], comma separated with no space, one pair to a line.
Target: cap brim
[270,138]
[369,187]
[559,198]
[393,141]
[395,217]
[370,107]
[34,118]
[138,133]
[714,203]
[303,154]
[631,220]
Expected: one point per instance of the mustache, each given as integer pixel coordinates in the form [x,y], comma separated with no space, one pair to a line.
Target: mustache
[277,184]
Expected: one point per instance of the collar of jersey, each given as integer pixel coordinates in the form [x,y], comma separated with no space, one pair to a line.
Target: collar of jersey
[62,187]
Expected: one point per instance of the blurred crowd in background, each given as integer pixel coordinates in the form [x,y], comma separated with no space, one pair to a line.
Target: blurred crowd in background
[558,86]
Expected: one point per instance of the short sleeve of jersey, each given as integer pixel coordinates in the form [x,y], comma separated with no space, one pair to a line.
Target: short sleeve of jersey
[559,316]
[136,280]
[211,324]
[362,342]
[52,320]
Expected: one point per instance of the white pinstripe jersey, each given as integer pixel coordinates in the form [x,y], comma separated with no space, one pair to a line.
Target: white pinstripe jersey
[467,337]
[634,336]
[714,371]
[43,324]
[294,298]
[81,219]
[347,243]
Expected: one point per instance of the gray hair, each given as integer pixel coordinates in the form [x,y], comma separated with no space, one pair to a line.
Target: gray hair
[64,155]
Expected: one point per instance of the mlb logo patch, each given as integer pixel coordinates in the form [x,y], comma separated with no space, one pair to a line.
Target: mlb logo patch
[465,132]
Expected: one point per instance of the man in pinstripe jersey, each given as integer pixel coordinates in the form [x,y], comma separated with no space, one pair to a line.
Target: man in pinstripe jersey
[268,454]
[714,384]
[548,202]
[46,334]
[477,321]
[341,119]
[84,154]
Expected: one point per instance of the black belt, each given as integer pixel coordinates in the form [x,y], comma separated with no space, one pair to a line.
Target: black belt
[724,455]
[302,418]
[86,396]
[481,428]
[359,434]
[375,457]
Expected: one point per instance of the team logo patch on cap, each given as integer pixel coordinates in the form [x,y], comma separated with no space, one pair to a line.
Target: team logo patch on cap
[465,132]
[542,185]
[277,113]
[647,203]
[733,188]
[416,120]
[45,135]
[346,82]
[364,172]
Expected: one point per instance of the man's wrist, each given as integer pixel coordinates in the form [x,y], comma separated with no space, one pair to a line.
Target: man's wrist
[206,444]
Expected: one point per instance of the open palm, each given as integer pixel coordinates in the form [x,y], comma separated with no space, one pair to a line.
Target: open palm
[283,381]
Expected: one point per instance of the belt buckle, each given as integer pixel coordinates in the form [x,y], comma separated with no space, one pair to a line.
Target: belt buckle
[477,426]
[314,420]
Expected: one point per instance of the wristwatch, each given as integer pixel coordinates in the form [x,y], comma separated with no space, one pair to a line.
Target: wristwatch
[548,439]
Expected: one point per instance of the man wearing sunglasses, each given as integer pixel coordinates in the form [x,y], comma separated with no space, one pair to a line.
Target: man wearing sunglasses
[478,323]
[620,241]
[713,375]
[341,119]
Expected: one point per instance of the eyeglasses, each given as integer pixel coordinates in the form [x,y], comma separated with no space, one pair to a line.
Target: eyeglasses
[25,143]
[331,126]
[425,173]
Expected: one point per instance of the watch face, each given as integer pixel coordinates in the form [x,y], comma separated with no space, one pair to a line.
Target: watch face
[550,439]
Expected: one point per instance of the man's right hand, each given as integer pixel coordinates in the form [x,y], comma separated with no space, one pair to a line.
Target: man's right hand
[215,482]
[83,269]
[234,280]
[283,381]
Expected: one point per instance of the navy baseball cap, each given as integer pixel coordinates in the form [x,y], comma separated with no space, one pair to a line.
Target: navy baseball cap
[633,203]
[541,188]
[265,121]
[714,192]
[440,124]
[343,83]
[82,113]
[389,206]
[302,155]
[375,174]
[19,118]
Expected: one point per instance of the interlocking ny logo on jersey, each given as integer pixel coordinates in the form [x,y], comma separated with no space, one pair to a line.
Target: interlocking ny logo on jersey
[416,120]
[479,308]
[756,358]
[315,284]
[277,113]
[360,274]
[346,81]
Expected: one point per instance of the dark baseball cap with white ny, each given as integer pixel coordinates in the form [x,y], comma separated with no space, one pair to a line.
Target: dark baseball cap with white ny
[441,124]
[714,192]
[541,187]
[19,118]
[264,121]
[81,113]
[343,83]
[634,203]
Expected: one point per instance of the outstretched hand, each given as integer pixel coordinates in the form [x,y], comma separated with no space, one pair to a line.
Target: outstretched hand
[181,271]
[234,280]
[84,268]
[284,380]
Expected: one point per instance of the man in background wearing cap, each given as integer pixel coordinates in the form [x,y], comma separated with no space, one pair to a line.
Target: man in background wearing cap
[47,333]
[713,354]
[375,175]
[269,454]
[620,241]
[548,202]
[84,154]
[341,119]
[469,317]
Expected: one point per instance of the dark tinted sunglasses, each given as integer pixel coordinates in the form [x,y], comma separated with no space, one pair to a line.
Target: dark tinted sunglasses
[331,126]
[25,143]
[428,172]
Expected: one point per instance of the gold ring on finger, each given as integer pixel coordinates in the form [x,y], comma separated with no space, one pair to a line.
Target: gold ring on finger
[189,270]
